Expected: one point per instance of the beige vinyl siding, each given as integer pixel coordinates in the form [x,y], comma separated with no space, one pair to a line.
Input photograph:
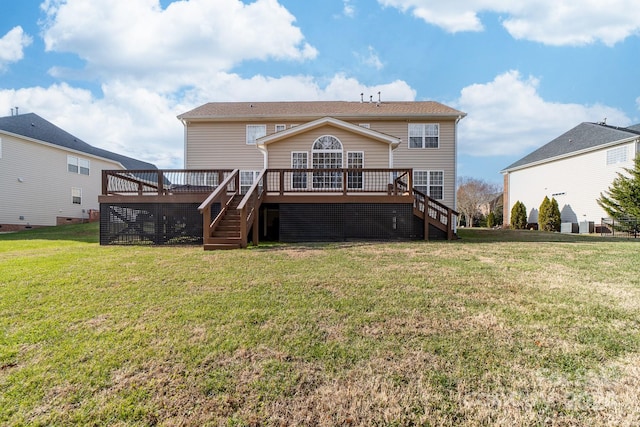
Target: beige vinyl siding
[36,184]
[231,151]
[427,159]
[376,154]
[222,146]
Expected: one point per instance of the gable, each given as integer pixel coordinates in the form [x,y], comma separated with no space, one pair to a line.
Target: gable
[330,123]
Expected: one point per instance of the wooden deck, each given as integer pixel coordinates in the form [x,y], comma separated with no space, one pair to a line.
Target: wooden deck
[236,222]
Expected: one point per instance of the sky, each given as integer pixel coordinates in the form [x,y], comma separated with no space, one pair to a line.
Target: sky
[116,73]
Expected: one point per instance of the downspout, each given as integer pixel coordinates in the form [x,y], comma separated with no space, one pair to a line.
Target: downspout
[265,154]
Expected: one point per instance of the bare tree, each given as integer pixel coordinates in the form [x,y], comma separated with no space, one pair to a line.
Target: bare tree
[474,196]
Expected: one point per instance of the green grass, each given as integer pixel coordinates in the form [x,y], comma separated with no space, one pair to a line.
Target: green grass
[498,328]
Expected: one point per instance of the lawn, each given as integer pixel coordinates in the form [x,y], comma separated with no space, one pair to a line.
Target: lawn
[512,328]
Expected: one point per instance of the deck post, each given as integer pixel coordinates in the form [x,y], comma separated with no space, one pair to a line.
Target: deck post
[206,223]
[449,225]
[256,227]
[281,182]
[160,183]
[344,182]
[105,182]
[427,221]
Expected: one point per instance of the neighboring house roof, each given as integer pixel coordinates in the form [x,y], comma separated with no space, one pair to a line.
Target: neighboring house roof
[379,136]
[315,109]
[35,127]
[583,137]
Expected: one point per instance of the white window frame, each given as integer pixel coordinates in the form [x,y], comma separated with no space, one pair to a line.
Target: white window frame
[433,185]
[356,178]
[78,165]
[427,132]
[364,125]
[76,196]
[299,180]
[424,180]
[245,176]
[329,180]
[280,128]
[254,132]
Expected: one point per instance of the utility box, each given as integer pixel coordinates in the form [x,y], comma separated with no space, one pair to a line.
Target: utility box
[569,227]
[586,227]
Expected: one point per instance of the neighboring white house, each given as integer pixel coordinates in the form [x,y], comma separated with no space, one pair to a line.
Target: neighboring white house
[574,169]
[48,176]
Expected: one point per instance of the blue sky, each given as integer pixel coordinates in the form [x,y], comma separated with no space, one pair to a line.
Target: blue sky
[116,73]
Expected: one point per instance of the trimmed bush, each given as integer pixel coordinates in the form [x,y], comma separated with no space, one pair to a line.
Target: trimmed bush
[519,216]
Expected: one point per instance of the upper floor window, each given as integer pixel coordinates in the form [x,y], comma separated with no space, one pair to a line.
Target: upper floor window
[78,165]
[424,135]
[617,155]
[254,132]
[280,128]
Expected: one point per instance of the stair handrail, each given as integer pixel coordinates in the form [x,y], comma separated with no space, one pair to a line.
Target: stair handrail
[438,211]
[221,194]
[249,206]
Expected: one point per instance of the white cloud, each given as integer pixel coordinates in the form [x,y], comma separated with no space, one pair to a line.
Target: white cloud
[348,9]
[156,63]
[12,46]
[508,117]
[134,39]
[142,123]
[371,59]
[550,22]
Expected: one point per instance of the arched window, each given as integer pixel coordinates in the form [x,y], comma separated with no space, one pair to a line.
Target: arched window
[326,153]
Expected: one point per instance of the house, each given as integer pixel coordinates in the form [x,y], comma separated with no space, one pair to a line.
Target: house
[574,169]
[48,176]
[327,170]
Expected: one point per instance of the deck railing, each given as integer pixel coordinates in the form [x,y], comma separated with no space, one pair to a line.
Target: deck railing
[436,211]
[161,181]
[344,181]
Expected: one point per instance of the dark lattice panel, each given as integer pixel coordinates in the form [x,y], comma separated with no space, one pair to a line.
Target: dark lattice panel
[337,222]
[311,222]
[150,223]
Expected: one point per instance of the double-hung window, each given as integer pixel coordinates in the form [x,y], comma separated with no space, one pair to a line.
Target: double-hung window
[299,160]
[76,196]
[355,160]
[78,165]
[430,183]
[424,135]
[254,132]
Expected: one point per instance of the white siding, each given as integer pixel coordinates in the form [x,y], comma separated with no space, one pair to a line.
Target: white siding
[575,182]
[37,186]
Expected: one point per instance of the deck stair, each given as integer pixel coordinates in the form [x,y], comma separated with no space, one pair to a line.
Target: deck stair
[227,234]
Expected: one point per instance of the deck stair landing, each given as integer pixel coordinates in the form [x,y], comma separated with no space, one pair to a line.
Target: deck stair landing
[227,234]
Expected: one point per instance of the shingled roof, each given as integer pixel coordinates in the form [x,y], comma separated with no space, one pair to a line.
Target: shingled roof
[582,137]
[316,109]
[35,127]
